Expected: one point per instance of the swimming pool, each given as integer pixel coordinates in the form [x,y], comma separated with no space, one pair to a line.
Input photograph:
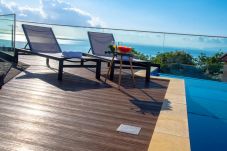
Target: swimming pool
[207,114]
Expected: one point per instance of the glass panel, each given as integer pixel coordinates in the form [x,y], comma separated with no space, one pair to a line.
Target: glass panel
[194,56]
[146,43]
[7,37]
[195,45]
[179,54]
[7,44]
[73,38]
[69,38]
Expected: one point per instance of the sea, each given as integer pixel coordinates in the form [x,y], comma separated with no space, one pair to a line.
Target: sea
[150,50]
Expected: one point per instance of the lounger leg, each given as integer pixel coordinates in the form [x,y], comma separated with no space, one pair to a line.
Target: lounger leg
[81,62]
[112,71]
[16,57]
[119,79]
[60,70]
[1,80]
[148,72]
[98,69]
[132,72]
[47,62]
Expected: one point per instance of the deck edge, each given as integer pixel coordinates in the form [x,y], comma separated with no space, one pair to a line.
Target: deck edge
[171,131]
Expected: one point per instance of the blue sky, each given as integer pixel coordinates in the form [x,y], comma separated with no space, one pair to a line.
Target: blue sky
[186,16]
[181,16]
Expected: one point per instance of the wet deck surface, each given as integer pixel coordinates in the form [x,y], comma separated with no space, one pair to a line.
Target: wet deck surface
[37,112]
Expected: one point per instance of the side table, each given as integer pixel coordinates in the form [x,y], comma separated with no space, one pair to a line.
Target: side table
[130,57]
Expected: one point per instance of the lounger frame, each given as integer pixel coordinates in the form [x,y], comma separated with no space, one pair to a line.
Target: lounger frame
[60,59]
[141,64]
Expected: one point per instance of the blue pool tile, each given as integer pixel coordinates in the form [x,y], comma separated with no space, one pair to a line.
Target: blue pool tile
[207,134]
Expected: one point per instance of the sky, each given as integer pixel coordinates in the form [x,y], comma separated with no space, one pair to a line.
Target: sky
[180,16]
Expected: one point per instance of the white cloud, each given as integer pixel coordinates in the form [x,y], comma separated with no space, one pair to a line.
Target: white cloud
[96,21]
[52,11]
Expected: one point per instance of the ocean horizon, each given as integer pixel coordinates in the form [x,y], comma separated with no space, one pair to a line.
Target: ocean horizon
[150,50]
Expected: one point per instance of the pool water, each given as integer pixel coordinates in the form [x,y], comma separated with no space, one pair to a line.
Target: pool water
[207,114]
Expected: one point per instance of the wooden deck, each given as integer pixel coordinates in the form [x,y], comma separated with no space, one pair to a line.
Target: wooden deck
[37,112]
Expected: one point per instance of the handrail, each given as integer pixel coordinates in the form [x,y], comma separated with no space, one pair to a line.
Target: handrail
[129,30]
[5,33]
[1,15]
[6,19]
[7,14]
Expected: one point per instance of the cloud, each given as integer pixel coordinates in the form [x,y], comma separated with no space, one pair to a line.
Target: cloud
[52,11]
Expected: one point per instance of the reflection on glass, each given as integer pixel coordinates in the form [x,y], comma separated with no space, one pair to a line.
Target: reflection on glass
[146,43]
[195,45]
[7,37]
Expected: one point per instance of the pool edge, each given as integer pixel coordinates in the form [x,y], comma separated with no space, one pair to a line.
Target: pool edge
[171,131]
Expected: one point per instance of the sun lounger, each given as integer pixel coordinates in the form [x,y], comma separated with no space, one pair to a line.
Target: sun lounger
[42,42]
[100,44]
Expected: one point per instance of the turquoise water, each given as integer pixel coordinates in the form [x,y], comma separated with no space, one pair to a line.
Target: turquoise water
[207,114]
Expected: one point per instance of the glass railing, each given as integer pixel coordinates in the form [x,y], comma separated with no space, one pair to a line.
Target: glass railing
[179,54]
[7,44]
[7,35]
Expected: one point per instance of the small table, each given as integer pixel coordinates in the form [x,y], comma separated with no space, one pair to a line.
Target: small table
[130,57]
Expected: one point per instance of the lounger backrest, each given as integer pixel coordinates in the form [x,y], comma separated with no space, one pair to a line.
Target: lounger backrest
[100,42]
[41,39]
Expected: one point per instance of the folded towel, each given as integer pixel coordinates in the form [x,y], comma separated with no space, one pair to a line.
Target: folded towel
[125,58]
[72,54]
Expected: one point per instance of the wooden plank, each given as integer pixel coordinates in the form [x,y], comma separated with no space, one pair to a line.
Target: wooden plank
[37,112]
